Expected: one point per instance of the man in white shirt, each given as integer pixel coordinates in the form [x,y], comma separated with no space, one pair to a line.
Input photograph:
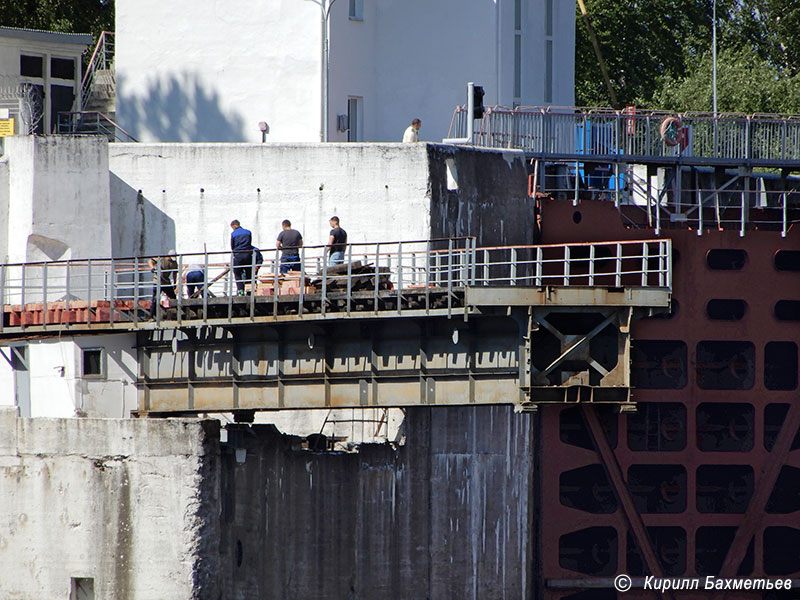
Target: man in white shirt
[412,132]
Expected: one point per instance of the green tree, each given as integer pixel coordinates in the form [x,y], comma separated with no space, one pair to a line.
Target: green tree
[746,83]
[65,16]
[659,54]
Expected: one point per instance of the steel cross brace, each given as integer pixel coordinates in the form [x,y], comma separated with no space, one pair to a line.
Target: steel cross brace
[626,500]
[766,483]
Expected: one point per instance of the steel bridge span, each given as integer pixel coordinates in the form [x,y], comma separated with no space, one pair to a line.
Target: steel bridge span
[413,323]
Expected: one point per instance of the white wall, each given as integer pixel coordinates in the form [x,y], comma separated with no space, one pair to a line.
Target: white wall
[190,70]
[214,76]
[58,198]
[380,192]
[113,500]
[57,387]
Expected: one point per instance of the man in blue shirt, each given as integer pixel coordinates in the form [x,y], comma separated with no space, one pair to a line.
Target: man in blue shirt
[242,248]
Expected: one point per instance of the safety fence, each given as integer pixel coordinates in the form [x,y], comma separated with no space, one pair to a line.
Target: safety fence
[567,131]
[135,289]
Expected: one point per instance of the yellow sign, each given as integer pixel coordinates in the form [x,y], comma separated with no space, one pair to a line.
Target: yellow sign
[6,127]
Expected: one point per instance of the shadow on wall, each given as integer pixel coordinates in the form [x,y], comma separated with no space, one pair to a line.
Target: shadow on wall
[178,109]
[138,227]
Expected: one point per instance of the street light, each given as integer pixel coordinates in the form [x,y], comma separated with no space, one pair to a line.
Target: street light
[714,60]
[325,8]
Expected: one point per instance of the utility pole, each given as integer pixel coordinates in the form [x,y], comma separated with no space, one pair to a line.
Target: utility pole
[325,9]
[596,45]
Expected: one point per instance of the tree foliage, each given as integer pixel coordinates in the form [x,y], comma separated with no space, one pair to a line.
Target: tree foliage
[659,54]
[64,16]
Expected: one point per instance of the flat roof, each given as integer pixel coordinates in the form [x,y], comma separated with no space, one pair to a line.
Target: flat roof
[37,35]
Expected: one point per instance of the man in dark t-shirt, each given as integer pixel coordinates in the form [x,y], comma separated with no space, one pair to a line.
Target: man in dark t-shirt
[337,243]
[289,241]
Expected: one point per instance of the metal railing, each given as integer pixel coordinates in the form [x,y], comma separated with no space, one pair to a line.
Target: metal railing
[567,131]
[91,122]
[370,273]
[102,59]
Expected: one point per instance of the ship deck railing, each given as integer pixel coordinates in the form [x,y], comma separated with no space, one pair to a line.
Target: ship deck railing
[388,278]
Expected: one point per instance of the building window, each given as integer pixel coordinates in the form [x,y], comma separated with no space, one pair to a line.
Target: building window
[548,71]
[62,68]
[31,66]
[81,588]
[355,120]
[93,362]
[356,12]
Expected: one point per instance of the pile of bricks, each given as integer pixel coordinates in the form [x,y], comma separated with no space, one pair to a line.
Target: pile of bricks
[79,311]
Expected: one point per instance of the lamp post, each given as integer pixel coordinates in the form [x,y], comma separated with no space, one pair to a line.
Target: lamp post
[325,9]
[714,60]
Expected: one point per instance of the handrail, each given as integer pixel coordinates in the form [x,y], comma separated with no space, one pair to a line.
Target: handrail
[96,113]
[380,276]
[88,76]
[602,132]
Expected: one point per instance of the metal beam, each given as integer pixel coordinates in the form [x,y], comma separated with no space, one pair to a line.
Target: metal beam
[632,515]
[766,483]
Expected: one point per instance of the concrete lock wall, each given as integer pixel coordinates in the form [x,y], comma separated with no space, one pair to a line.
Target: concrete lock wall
[58,198]
[159,510]
[450,514]
[120,502]
[183,196]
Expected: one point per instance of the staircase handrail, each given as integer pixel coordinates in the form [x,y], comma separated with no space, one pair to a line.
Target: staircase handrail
[104,116]
[88,76]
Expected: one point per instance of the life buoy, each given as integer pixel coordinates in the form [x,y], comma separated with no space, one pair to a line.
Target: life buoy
[670,131]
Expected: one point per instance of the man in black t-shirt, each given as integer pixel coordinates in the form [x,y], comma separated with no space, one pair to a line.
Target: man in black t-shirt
[289,241]
[337,243]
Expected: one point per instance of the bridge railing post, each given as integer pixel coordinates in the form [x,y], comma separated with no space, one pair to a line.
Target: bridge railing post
[618,274]
[2,295]
[449,276]
[427,276]
[89,290]
[513,267]
[399,276]
[302,285]
[592,252]
[113,292]
[205,283]
[179,291]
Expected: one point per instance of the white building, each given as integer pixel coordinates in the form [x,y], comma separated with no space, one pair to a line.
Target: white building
[50,64]
[210,71]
